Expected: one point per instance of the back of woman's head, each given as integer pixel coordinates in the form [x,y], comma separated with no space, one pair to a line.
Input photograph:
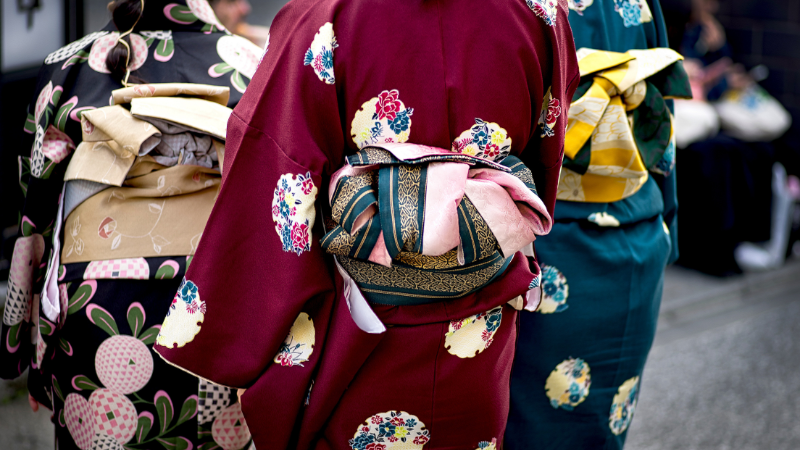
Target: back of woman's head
[124,14]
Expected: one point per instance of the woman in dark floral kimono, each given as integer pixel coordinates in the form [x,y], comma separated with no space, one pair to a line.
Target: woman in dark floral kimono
[92,363]
[384,172]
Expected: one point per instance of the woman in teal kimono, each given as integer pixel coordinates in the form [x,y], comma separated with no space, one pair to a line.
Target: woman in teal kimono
[580,356]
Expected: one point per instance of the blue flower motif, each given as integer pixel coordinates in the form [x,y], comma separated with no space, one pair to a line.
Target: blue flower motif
[401,122]
[631,14]
[386,429]
[361,441]
[284,208]
[549,288]
[481,137]
[286,238]
[188,291]
[327,58]
[411,423]
[309,58]
[493,322]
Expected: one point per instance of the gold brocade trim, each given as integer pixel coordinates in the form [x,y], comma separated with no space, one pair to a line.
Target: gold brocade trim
[394,278]
[349,187]
[485,237]
[447,261]
[408,184]
[375,156]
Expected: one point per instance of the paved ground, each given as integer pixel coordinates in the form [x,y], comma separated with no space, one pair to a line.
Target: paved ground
[724,373]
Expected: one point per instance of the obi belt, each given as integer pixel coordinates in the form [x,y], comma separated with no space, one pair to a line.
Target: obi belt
[620,126]
[413,224]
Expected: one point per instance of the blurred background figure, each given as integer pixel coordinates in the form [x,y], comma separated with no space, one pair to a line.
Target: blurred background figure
[232,14]
[733,151]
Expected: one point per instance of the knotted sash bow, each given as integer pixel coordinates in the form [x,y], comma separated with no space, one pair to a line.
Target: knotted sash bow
[412,223]
[619,125]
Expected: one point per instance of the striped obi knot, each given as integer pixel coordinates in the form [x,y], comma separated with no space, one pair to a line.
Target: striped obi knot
[413,224]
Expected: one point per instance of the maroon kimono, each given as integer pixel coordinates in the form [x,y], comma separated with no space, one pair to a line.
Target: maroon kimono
[263,307]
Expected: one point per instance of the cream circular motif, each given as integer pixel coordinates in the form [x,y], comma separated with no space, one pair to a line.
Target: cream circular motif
[382,119]
[555,291]
[103,45]
[623,406]
[320,54]
[299,344]
[397,430]
[486,140]
[184,317]
[568,384]
[239,53]
[468,337]
[293,211]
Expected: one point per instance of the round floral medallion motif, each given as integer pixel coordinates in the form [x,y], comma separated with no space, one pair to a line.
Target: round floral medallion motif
[299,344]
[568,384]
[114,415]
[293,211]
[485,140]
[468,337]
[555,290]
[397,430]
[184,317]
[382,120]
[623,406]
[320,54]
[103,45]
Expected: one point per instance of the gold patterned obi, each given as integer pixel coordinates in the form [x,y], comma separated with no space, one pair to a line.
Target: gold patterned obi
[413,224]
[620,126]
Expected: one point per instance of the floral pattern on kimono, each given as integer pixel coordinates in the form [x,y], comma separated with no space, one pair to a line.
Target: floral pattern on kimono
[485,140]
[568,384]
[240,58]
[382,119]
[184,317]
[466,338]
[551,111]
[555,290]
[624,406]
[579,6]
[546,9]
[391,429]
[293,211]
[299,344]
[320,55]
[633,12]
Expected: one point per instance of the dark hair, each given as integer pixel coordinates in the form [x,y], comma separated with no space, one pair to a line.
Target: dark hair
[124,14]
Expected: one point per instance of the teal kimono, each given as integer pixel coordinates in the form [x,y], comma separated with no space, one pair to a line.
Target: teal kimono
[580,356]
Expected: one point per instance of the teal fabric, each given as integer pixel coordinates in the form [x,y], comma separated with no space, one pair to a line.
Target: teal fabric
[601,288]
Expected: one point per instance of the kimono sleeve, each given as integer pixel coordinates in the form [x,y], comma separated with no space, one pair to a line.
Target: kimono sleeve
[259,263]
[544,152]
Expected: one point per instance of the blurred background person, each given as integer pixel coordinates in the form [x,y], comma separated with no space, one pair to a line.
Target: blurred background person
[730,151]
[233,15]
[581,356]
[91,361]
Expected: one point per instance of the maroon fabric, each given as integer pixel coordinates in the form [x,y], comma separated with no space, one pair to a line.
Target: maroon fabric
[452,62]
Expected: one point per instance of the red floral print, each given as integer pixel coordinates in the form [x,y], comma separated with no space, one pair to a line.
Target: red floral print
[388,105]
[553,110]
[300,235]
[107,227]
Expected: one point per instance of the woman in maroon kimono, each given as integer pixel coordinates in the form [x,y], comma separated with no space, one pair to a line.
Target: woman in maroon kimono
[383,346]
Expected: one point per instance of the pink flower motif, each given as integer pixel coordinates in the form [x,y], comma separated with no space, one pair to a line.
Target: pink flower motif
[107,227]
[553,110]
[388,105]
[318,63]
[292,211]
[455,325]
[488,343]
[392,439]
[365,429]
[397,421]
[460,145]
[376,446]
[307,186]
[285,359]
[376,419]
[276,211]
[299,236]
[420,440]
[281,195]
[491,151]
[486,336]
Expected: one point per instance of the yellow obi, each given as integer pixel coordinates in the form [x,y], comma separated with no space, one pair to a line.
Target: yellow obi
[619,127]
